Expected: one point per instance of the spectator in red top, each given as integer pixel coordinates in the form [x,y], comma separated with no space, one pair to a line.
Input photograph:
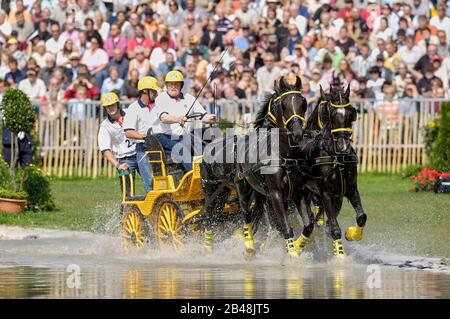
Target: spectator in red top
[114,41]
[82,80]
[139,40]
[345,10]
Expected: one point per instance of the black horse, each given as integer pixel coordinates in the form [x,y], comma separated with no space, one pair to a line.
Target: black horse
[272,176]
[339,98]
[332,164]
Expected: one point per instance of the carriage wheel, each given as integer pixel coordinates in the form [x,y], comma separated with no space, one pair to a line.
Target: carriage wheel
[135,231]
[169,225]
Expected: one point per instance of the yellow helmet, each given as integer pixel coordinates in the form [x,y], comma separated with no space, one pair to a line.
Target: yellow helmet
[174,76]
[148,83]
[109,99]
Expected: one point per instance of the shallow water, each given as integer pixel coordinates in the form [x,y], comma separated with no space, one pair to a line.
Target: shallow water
[54,264]
[238,281]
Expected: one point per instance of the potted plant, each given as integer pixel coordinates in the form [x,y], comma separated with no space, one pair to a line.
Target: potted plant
[12,202]
[18,113]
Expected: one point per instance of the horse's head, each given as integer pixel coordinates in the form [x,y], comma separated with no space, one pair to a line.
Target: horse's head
[341,115]
[289,107]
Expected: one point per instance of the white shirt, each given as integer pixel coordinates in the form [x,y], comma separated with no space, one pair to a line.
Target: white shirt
[376,87]
[410,57]
[249,17]
[443,24]
[6,28]
[301,22]
[111,136]
[94,59]
[33,91]
[164,103]
[54,46]
[158,56]
[139,118]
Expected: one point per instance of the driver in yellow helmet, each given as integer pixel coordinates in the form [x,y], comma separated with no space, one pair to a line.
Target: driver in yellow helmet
[172,108]
[138,120]
[112,142]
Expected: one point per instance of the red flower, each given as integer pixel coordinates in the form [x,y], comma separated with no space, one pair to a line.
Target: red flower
[445,175]
[413,178]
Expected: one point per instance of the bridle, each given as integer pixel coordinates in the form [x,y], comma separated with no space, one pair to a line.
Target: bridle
[295,117]
[335,130]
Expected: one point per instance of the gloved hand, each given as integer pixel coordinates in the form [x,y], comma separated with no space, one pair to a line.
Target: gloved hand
[21,135]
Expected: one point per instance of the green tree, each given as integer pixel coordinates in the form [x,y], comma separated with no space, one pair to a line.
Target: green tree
[441,149]
[19,116]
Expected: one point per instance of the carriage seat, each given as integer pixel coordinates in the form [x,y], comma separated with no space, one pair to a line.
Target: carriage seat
[156,154]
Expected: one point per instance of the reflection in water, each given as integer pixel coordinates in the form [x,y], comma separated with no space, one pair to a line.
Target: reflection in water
[232,281]
[249,284]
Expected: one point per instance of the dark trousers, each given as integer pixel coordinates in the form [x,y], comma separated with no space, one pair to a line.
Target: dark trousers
[183,156]
[132,168]
[25,148]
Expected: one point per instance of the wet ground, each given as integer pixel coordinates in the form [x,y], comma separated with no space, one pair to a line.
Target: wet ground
[37,263]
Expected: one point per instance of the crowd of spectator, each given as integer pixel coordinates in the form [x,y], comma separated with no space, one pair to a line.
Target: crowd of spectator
[60,50]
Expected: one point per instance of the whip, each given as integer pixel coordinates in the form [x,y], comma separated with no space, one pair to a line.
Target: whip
[207,80]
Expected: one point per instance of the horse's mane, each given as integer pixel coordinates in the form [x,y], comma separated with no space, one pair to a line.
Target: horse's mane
[313,119]
[261,115]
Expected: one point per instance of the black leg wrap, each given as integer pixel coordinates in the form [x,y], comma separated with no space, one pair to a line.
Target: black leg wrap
[336,234]
[361,220]
[307,230]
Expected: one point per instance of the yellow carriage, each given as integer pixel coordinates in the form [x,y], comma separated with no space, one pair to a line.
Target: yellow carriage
[167,213]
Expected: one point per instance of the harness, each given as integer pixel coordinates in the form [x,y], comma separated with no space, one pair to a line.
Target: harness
[272,118]
[337,160]
[291,165]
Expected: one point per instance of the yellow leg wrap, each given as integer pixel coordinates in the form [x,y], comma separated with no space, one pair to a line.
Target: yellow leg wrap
[338,248]
[300,243]
[209,241]
[354,233]
[320,220]
[290,248]
[249,243]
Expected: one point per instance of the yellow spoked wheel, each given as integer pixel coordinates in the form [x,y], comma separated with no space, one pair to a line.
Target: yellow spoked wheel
[169,225]
[134,229]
